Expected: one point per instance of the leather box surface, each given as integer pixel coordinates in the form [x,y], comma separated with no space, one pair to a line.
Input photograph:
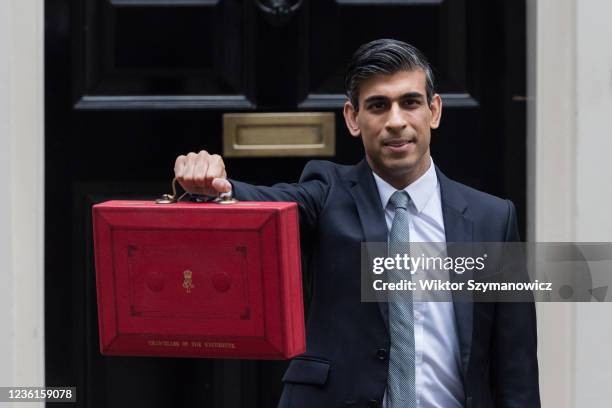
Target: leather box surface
[199,280]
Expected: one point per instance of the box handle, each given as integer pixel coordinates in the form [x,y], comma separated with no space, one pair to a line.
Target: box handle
[223,198]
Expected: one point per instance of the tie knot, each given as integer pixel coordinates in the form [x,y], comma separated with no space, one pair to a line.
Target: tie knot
[400,199]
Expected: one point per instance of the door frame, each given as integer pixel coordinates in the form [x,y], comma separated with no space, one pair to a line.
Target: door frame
[22,202]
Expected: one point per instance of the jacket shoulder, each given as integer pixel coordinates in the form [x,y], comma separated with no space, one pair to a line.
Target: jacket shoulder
[494,217]
[324,169]
[479,198]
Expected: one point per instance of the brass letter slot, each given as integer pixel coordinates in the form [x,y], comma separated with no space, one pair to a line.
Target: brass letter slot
[279,134]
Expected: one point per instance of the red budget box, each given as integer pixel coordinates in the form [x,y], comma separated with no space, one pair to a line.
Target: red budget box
[199,280]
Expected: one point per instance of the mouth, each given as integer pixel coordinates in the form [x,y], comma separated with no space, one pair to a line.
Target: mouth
[400,145]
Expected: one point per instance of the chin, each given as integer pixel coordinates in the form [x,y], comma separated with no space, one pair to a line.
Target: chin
[405,163]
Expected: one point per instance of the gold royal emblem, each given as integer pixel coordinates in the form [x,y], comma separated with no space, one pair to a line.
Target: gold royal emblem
[188,281]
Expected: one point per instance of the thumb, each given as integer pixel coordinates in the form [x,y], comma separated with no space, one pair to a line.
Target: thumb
[221,185]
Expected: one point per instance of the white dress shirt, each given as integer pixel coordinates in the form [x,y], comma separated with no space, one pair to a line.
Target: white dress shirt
[437,359]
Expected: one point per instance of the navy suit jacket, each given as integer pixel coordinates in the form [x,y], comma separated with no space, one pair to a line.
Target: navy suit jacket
[345,364]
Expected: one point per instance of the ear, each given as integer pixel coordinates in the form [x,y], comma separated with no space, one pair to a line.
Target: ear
[350,117]
[436,111]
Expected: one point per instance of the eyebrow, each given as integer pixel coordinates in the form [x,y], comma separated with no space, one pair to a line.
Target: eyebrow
[381,98]
[413,95]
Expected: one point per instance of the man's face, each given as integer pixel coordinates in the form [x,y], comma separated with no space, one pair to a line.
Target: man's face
[394,121]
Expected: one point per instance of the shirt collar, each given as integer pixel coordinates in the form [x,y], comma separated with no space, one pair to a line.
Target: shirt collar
[420,190]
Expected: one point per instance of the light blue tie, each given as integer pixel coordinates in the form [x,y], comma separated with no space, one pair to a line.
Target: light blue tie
[401,392]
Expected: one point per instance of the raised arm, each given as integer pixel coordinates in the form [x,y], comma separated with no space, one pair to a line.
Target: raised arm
[204,173]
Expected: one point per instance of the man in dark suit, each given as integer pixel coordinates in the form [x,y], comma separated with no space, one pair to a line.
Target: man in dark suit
[360,354]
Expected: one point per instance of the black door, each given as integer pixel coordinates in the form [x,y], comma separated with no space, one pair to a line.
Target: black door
[131,84]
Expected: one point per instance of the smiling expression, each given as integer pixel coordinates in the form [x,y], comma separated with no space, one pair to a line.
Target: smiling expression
[394,120]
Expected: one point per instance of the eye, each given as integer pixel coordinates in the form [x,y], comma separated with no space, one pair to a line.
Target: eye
[377,106]
[411,103]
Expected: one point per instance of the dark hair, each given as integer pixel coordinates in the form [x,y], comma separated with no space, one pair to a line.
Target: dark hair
[384,56]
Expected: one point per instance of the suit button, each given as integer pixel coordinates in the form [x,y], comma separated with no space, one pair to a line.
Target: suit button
[373,404]
[382,354]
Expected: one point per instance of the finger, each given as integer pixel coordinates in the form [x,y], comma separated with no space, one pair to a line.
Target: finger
[200,169]
[216,168]
[179,166]
[188,183]
[221,185]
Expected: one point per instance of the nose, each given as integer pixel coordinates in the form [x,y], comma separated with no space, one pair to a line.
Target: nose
[395,121]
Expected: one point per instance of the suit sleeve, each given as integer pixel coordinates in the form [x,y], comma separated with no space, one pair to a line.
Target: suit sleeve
[309,193]
[514,362]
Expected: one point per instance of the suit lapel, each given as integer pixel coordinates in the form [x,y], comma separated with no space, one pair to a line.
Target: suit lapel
[371,215]
[458,228]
